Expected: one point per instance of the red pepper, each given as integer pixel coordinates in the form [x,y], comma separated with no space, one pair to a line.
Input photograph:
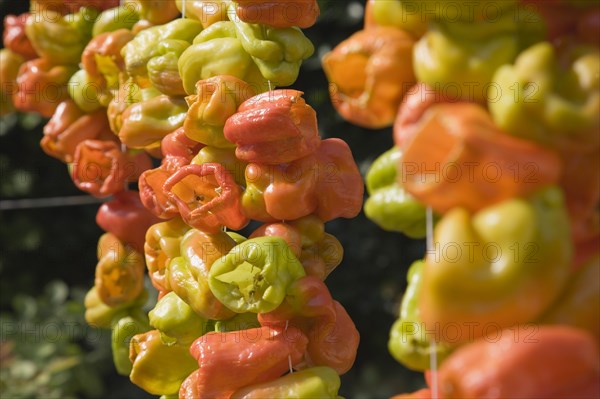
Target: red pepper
[101,168]
[106,47]
[126,218]
[177,144]
[273,128]
[14,37]
[69,126]
[279,14]
[207,196]
[232,360]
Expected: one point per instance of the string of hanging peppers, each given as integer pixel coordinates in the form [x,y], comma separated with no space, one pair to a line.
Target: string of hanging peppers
[495,108]
[236,317]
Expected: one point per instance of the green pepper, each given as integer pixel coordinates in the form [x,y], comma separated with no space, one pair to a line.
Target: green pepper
[59,39]
[122,331]
[389,205]
[503,265]
[162,69]
[10,62]
[218,51]
[113,19]
[255,275]
[314,382]
[541,101]
[238,238]
[461,58]
[100,315]
[278,53]
[224,156]
[409,343]
[84,91]
[176,320]
[159,368]
[405,15]
[241,321]
[146,46]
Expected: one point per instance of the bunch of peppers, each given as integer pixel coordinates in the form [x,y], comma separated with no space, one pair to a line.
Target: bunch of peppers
[496,124]
[235,317]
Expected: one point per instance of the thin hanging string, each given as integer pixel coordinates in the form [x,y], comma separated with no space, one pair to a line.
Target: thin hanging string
[433,344]
[269,83]
[51,202]
[287,323]
[183,8]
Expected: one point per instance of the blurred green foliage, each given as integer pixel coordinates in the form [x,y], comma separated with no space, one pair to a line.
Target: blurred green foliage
[40,245]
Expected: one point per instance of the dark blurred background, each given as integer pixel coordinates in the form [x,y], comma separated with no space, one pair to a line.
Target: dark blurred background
[47,257]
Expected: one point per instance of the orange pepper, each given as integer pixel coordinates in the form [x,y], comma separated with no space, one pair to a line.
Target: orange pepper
[119,272]
[102,56]
[279,14]
[369,73]
[253,356]
[473,164]
[524,362]
[207,197]
[14,37]
[69,126]
[274,127]
[101,168]
[177,144]
[41,86]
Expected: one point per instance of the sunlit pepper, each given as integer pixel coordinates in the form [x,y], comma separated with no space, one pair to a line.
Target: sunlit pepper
[126,218]
[85,92]
[14,37]
[117,18]
[176,320]
[406,15]
[315,382]
[473,164]
[408,342]
[241,321]
[207,197]
[189,273]
[100,315]
[369,73]
[218,51]
[255,275]
[127,94]
[163,71]
[178,145]
[123,330]
[279,14]
[41,86]
[260,355]
[162,245]
[146,45]
[147,122]
[541,101]
[67,6]
[119,272]
[159,368]
[273,128]
[524,362]
[101,168]
[226,157]
[501,266]
[206,11]
[579,304]
[10,64]
[157,12]
[216,100]
[389,205]
[58,39]
[322,258]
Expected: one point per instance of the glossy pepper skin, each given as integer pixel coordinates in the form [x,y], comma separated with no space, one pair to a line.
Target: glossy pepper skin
[408,342]
[551,362]
[273,128]
[216,99]
[314,382]
[123,330]
[157,12]
[126,218]
[146,45]
[41,86]
[119,273]
[513,257]
[207,196]
[159,368]
[189,273]
[280,14]
[116,18]
[206,11]
[162,245]
[10,63]
[163,71]
[98,314]
[101,168]
[553,105]
[260,355]
[58,39]
[85,92]
[389,205]
[255,275]
[369,74]
[14,37]
[146,123]
[225,157]
[463,168]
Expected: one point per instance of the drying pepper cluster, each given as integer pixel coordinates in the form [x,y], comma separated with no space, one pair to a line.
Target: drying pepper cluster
[236,317]
[495,108]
